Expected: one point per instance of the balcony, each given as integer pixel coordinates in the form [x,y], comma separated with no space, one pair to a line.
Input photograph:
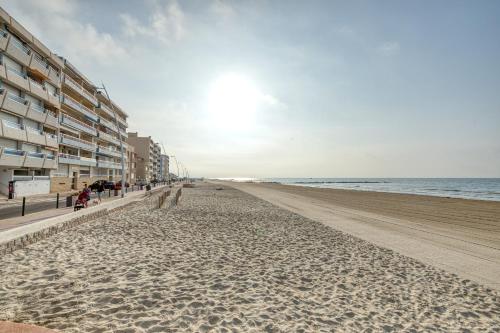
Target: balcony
[34,160]
[37,113]
[80,90]
[54,100]
[106,109]
[13,131]
[55,76]
[4,39]
[38,89]
[50,162]
[77,160]
[36,136]
[80,108]
[51,140]
[52,120]
[108,164]
[39,65]
[76,142]
[108,151]
[15,104]
[108,124]
[18,51]
[12,157]
[107,137]
[77,124]
[17,78]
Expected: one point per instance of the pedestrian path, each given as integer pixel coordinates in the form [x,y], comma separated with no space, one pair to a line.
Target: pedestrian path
[14,222]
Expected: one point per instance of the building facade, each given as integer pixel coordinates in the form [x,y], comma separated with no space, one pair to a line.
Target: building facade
[131,172]
[147,157]
[29,101]
[58,131]
[164,173]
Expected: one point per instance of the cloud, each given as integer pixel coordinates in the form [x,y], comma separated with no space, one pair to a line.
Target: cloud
[222,8]
[56,23]
[166,23]
[389,48]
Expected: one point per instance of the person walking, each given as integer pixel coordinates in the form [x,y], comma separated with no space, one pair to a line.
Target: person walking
[100,189]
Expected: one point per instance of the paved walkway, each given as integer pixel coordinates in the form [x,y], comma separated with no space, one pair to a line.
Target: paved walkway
[14,222]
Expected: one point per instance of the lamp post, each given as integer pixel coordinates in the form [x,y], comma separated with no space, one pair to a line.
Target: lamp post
[177,165]
[120,139]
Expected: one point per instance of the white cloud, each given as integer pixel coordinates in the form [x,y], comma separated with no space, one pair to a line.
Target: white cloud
[166,23]
[389,48]
[222,8]
[56,23]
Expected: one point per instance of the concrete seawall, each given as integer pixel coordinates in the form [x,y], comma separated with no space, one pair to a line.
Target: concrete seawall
[18,238]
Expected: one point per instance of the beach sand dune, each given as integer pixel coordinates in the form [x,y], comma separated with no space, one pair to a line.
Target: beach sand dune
[225,261]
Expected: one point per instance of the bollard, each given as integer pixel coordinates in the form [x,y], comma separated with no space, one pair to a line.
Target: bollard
[109,193]
[69,201]
[57,201]
[24,206]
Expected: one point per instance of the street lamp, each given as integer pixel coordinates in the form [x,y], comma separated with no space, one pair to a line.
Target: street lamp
[119,138]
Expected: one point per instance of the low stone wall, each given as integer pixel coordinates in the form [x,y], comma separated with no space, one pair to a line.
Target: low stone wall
[15,239]
[34,237]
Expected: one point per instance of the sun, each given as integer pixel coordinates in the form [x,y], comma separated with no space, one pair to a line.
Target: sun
[232,101]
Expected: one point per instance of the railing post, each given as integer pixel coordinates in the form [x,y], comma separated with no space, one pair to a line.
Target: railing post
[57,201]
[24,206]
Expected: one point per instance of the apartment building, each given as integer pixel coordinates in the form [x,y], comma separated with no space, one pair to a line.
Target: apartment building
[148,156]
[131,171]
[164,167]
[29,102]
[89,133]
[58,130]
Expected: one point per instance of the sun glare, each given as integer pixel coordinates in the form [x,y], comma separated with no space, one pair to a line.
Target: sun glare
[233,101]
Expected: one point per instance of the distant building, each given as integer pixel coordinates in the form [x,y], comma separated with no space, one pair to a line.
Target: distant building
[147,156]
[131,169]
[164,167]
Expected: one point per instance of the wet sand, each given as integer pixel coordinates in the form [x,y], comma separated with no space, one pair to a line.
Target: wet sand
[225,261]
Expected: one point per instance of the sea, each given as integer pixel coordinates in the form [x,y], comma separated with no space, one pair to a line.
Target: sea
[466,188]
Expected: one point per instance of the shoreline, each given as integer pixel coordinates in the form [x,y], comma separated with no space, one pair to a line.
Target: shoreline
[375,191]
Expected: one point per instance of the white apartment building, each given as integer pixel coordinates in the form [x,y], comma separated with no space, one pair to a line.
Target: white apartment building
[57,131]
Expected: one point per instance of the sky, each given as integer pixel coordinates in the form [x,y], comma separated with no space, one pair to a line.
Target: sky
[294,88]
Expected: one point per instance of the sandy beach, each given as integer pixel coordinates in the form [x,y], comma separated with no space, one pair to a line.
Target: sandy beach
[226,261]
[458,235]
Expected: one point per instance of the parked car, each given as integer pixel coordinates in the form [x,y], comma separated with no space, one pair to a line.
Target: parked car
[95,185]
[109,185]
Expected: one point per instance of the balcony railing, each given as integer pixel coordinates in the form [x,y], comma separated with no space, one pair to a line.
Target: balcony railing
[108,151]
[12,124]
[106,109]
[37,108]
[76,142]
[81,108]
[21,46]
[15,98]
[108,137]
[16,71]
[14,152]
[77,124]
[78,160]
[108,124]
[40,60]
[108,164]
[80,89]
